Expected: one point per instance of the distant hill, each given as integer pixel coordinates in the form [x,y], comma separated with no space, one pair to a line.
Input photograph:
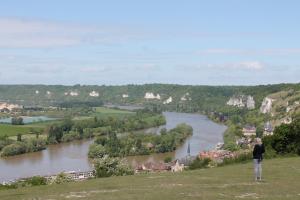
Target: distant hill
[183,97]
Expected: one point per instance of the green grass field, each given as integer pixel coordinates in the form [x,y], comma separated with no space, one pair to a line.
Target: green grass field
[102,112]
[281,181]
[13,130]
[111,111]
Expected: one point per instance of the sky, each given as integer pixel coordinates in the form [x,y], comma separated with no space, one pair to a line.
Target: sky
[117,42]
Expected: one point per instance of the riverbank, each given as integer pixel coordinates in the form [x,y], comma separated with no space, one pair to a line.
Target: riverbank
[227,183]
[72,156]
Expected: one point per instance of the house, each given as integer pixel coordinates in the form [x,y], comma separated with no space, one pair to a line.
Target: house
[125,95]
[249,131]
[217,155]
[268,129]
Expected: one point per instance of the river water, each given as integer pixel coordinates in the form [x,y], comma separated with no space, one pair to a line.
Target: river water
[73,156]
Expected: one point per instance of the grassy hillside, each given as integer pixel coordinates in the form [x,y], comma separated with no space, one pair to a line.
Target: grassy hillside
[282,177]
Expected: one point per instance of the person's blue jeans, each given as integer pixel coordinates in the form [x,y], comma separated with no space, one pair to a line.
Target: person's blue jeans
[257,169]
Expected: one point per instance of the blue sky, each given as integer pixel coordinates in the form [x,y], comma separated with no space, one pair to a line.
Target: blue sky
[114,42]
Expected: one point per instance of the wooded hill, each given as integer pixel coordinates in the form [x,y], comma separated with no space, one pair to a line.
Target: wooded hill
[184,97]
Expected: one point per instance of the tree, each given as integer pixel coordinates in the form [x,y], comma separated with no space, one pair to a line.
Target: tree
[19,137]
[286,138]
[17,121]
[55,133]
[97,151]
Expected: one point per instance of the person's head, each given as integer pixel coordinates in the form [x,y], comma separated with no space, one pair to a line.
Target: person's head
[258,141]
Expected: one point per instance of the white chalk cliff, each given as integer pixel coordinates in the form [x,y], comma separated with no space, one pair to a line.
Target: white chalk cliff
[150,95]
[169,100]
[266,105]
[242,101]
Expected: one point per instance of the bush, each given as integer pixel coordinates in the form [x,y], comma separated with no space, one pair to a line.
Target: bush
[199,163]
[14,149]
[62,178]
[70,136]
[107,166]
[36,180]
[5,187]
[96,151]
[242,158]
[4,142]
[30,145]
[168,159]
[35,144]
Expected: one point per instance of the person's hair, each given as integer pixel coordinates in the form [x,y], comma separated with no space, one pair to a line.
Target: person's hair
[258,141]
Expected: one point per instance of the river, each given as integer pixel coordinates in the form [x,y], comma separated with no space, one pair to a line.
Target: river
[73,156]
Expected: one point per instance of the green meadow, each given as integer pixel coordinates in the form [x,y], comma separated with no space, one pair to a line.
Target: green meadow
[13,130]
[102,112]
[281,181]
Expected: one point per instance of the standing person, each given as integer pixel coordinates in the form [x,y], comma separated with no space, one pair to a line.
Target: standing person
[258,151]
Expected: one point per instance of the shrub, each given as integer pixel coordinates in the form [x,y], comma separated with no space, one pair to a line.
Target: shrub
[62,178]
[168,159]
[241,158]
[96,151]
[70,136]
[30,145]
[35,144]
[14,149]
[36,180]
[199,163]
[107,166]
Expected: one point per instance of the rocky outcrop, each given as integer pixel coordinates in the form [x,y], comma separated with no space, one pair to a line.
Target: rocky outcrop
[242,101]
[150,95]
[94,94]
[186,97]
[250,102]
[73,93]
[169,100]
[266,105]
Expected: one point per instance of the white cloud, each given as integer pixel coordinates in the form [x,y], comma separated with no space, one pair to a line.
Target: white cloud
[271,52]
[234,66]
[19,33]
[252,65]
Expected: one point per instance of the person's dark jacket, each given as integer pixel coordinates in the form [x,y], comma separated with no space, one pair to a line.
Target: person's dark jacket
[258,151]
